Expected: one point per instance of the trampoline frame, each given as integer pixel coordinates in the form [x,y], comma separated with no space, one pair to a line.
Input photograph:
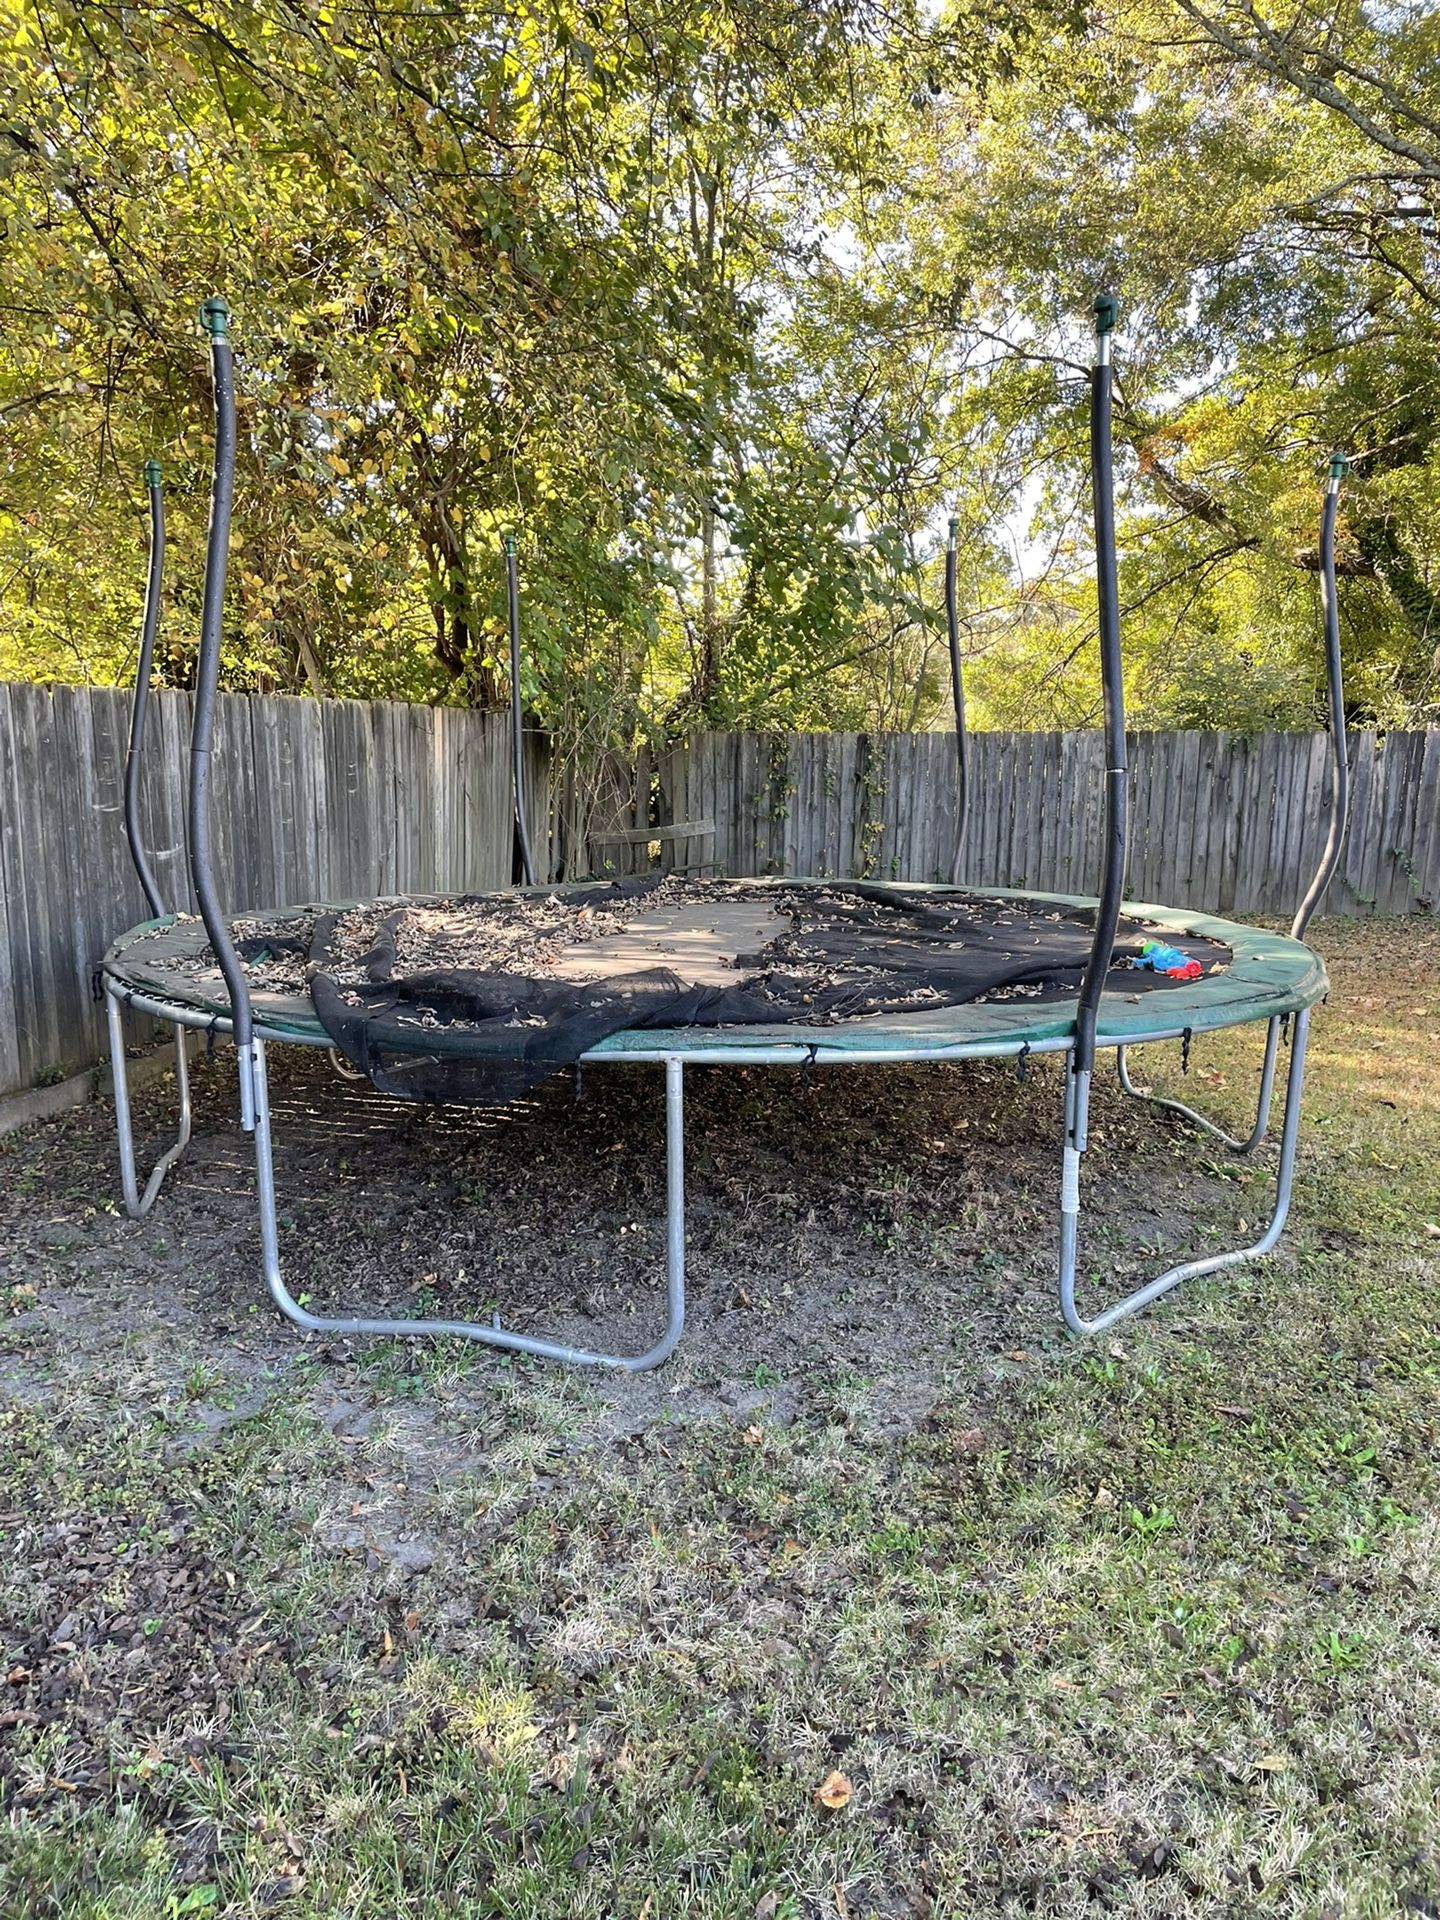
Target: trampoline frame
[1079,1044]
[496,1334]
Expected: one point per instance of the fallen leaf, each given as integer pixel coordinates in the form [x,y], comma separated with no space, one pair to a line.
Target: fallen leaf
[1104,1499]
[766,1905]
[753,1436]
[971,1441]
[1272,1763]
[1432,1227]
[834,1791]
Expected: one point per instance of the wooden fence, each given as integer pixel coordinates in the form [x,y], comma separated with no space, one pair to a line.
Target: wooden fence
[336,800]
[1227,822]
[313,800]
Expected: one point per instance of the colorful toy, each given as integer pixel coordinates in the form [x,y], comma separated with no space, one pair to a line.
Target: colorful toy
[1169,961]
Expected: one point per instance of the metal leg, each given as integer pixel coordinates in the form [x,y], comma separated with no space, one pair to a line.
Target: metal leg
[493,1335]
[138,1204]
[1212,1263]
[1262,1118]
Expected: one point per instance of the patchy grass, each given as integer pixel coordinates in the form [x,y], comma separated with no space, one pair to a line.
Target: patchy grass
[1145,1625]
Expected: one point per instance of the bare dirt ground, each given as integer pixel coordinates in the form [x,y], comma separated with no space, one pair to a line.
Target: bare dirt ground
[896,1222]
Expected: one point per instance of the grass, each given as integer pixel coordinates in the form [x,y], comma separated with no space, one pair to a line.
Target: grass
[1146,1625]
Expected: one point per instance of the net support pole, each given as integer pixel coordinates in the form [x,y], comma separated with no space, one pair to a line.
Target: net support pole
[1335,687]
[517,730]
[215,316]
[1080,1062]
[139,706]
[138,1202]
[1334,840]
[957,688]
[1112,884]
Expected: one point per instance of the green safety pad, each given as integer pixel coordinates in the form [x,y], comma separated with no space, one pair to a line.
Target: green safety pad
[1269,974]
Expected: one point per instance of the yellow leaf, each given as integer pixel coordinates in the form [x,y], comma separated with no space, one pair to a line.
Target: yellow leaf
[834,1791]
[1272,1763]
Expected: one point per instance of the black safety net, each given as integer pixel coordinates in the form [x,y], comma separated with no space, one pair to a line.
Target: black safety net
[475,999]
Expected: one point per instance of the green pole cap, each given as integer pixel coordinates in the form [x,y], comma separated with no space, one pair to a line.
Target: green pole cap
[215,317]
[1339,466]
[954,527]
[1107,312]
[152,473]
[509,540]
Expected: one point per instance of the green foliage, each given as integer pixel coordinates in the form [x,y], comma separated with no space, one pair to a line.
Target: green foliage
[1264,199]
[517,267]
[724,305]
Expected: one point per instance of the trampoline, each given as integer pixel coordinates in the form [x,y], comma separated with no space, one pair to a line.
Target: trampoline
[475,998]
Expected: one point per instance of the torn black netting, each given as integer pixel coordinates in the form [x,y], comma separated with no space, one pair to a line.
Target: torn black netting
[475,999]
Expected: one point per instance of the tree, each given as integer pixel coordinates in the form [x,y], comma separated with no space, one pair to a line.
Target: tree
[725,306]
[1264,200]
[490,268]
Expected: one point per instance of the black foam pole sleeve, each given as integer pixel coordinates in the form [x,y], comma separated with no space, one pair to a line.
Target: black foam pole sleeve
[222,495]
[140,705]
[1112,883]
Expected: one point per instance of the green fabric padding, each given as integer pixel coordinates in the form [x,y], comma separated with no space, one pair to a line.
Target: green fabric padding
[1269,974]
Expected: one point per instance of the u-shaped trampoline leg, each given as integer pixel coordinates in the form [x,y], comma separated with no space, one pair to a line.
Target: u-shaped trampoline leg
[1190,1269]
[138,1203]
[1262,1117]
[494,1334]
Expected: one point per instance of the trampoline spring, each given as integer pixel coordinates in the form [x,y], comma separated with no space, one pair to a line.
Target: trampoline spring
[1284,1029]
[97,985]
[806,1064]
[1185,1038]
[579,1083]
[210,1039]
[1022,1063]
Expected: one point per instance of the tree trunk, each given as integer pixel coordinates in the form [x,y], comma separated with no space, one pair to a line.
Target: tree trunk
[707,678]
[451,604]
